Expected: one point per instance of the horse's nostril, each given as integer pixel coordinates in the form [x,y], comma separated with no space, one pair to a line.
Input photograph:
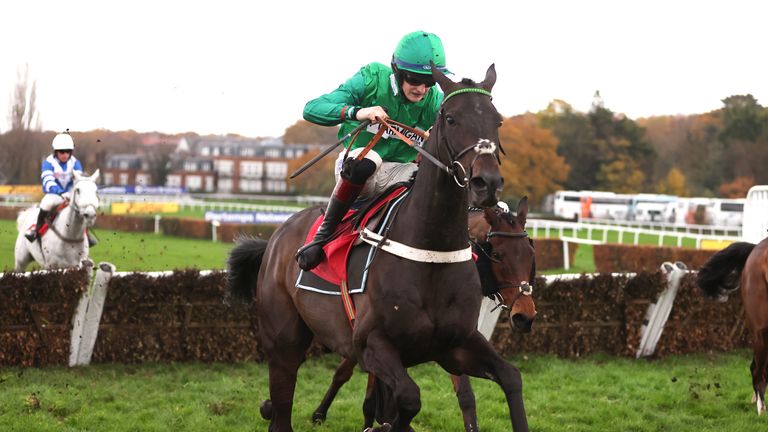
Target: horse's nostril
[522,322]
[478,184]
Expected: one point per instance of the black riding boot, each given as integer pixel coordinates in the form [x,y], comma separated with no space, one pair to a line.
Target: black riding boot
[92,240]
[33,234]
[312,254]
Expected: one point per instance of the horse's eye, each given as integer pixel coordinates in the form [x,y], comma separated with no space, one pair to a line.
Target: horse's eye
[496,255]
[450,120]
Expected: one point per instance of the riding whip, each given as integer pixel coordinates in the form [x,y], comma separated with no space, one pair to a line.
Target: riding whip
[330,148]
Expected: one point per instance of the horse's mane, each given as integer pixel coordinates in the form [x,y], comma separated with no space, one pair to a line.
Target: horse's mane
[468,81]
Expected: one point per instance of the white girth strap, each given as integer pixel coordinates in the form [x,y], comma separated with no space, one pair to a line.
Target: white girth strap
[415,254]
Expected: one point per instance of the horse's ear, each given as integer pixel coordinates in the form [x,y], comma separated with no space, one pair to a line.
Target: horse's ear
[490,77]
[95,176]
[76,175]
[440,77]
[522,210]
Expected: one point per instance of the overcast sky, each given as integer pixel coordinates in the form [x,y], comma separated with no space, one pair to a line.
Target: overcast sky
[248,67]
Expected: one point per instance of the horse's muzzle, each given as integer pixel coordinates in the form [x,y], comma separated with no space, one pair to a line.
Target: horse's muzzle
[485,189]
[521,322]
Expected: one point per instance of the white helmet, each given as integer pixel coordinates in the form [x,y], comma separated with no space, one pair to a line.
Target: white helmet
[63,141]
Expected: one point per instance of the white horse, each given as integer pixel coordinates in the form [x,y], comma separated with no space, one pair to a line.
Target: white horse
[65,244]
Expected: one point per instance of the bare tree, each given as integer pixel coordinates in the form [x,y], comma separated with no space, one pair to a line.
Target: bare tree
[23,105]
[20,145]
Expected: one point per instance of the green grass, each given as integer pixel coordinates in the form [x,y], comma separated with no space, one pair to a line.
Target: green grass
[599,393]
[136,251]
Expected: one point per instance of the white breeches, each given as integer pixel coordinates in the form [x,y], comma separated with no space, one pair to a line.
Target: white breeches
[386,174]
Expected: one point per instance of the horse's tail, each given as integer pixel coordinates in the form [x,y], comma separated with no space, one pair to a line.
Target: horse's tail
[244,262]
[721,274]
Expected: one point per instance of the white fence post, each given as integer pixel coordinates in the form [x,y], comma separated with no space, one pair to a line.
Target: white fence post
[157,223]
[214,228]
[658,312]
[489,316]
[85,322]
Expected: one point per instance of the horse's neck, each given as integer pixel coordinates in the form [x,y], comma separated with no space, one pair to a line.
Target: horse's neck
[435,213]
[69,223]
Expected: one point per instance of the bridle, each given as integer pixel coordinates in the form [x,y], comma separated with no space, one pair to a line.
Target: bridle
[484,146]
[455,169]
[524,288]
[72,203]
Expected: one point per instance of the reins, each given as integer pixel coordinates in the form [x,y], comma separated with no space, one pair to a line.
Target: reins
[483,146]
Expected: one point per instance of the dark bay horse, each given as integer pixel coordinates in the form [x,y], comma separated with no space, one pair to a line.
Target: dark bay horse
[746,265]
[420,302]
[507,268]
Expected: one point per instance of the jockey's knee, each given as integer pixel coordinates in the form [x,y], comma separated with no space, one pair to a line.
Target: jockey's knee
[50,201]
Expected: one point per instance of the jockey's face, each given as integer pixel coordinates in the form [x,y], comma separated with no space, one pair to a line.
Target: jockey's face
[416,86]
[62,155]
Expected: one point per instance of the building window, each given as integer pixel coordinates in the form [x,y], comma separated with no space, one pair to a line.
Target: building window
[224,167]
[251,169]
[143,179]
[173,180]
[225,185]
[194,182]
[277,170]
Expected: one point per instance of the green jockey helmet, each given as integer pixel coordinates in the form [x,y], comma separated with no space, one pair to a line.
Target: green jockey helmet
[415,50]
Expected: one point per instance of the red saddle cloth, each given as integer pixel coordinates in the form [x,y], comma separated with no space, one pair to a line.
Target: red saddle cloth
[44,229]
[334,268]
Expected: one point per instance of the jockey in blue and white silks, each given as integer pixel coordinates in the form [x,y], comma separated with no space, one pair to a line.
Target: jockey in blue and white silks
[57,178]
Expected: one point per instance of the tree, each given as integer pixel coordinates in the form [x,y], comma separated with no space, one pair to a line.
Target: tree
[672,184]
[23,105]
[744,136]
[738,188]
[576,137]
[316,180]
[598,145]
[22,145]
[304,132]
[531,166]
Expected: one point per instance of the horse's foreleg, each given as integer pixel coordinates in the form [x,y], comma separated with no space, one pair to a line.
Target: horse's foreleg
[466,399]
[340,377]
[382,359]
[369,403]
[478,358]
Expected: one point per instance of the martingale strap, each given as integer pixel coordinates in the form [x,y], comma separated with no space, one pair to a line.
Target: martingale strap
[349,304]
[415,254]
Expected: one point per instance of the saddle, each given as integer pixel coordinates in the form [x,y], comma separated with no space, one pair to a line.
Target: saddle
[49,220]
[333,269]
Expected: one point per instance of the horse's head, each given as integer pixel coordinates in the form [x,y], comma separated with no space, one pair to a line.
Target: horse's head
[468,130]
[85,197]
[513,263]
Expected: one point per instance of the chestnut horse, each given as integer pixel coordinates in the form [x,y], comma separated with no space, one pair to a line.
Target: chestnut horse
[507,268]
[746,265]
[420,303]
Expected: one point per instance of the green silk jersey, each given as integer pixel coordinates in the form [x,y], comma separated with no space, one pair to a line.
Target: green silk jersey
[375,84]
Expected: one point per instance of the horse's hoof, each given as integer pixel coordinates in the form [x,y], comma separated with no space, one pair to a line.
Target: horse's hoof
[318,418]
[386,427]
[266,410]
